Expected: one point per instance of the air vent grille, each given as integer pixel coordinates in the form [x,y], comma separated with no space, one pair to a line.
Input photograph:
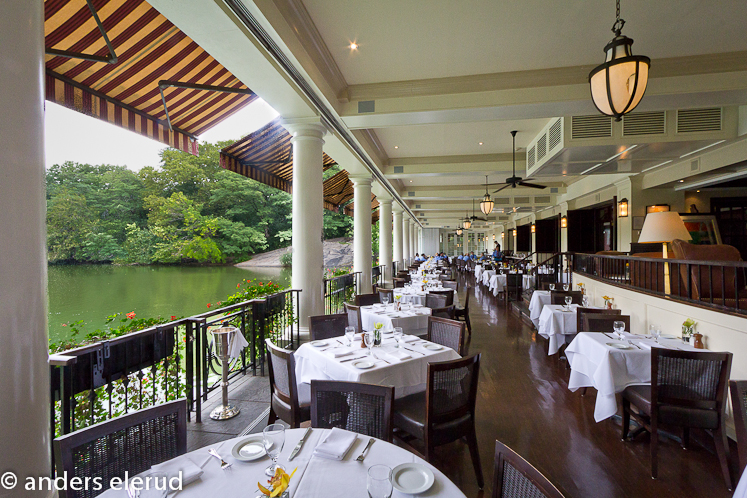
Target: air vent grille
[596,126]
[422,214]
[695,165]
[554,190]
[644,123]
[530,158]
[699,120]
[366,106]
[502,200]
[417,206]
[554,135]
[542,200]
[521,200]
[541,147]
[399,169]
[411,194]
[503,218]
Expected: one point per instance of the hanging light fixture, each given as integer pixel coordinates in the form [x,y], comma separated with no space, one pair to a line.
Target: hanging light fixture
[467,222]
[618,85]
[486,205]
[459,231]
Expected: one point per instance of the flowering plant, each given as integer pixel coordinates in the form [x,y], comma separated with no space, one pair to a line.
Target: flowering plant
[278,483]
[607,298]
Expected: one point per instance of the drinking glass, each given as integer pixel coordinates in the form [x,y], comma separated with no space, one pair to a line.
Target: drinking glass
[349,335]
[619,328]
[552,287]
[385,299]
[652,330]
[398,336]
[274,439]
[368,340]
[585,301]
[657,333]
[379,483]
[568,301]
[565,287]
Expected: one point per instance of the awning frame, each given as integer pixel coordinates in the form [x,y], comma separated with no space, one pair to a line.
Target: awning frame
[110,59]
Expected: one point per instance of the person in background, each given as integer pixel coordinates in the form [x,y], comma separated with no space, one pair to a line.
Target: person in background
[460,257]
[472,255]
[497,253]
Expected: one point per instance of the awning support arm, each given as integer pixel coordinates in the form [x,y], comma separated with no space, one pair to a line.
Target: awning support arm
[163,84]
[108,59]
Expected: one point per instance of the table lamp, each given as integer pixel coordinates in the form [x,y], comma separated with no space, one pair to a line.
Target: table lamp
[662,228]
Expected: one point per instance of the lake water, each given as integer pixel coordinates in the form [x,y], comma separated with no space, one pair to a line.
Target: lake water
[93,292]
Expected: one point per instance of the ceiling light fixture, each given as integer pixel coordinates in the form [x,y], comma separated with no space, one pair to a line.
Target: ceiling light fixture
[479,143]
[353,46]
[618,85]
[487,204]
[396,146]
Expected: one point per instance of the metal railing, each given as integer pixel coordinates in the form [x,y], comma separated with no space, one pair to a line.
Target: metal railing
[552,269]
[720,285]
[377,275]
[339,290]
[109,378]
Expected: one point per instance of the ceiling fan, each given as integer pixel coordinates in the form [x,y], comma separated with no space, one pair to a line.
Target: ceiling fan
[516,181]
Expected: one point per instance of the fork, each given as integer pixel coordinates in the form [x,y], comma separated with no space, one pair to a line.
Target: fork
[363,453]
[223,464]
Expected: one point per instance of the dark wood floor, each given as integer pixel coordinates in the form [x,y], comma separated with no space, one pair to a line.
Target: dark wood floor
[524,402]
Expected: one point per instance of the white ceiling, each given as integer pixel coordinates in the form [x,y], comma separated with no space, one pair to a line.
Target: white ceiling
[410,40]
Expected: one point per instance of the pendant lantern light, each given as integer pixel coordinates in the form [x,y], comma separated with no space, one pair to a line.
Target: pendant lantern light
[486,205]
[618,85]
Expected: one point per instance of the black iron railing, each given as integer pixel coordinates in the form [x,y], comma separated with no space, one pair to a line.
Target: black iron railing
[339,290]
[377,275]
[555,269]
[721,285]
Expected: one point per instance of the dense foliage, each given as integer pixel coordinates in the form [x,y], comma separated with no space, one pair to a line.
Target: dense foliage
[187,210]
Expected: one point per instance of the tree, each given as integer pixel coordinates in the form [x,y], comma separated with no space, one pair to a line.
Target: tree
[68,223]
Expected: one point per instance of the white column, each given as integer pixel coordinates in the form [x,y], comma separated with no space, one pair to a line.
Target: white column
[406,255]
[413,246]
[308,203]
[385,238]
[419,238]
[362,231]
[398,249]
[24,372]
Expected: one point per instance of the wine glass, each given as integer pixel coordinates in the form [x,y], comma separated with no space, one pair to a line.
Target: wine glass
[585,301]
[349,335]
[552,287]
[619,327]
[657,334]
[652,330]
[274,439]
[385,299]
[379,482]
[565,287]
[368,340]
[568,301]
[398,336]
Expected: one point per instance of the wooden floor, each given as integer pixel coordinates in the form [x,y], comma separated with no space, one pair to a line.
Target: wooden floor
[524,402]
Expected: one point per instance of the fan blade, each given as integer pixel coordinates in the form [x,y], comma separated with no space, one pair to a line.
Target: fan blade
[505,186]
[532,185]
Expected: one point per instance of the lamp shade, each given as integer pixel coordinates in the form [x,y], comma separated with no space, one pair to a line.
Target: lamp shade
[618,84]
[663,227]
[486,205]
[467,223]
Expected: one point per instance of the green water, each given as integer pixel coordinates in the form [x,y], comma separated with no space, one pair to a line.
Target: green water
[91,293]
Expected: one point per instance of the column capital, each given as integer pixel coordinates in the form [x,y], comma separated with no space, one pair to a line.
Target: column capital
[305,128]
[397,208]
[361,180]
[384,202]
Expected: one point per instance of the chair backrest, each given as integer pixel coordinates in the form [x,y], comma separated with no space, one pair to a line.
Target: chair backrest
[558,297]
[689,379]
[386,292]
[514,280]
[451,284]
[131,443]
[283,387]
[582,312]
[713,282]
[466,300]
[447,332]
[448,293]
[738,390]
[514,477]
[354,317]
[445,312]
[367,299]
[434,301]
[398,282]
[327,326]
[451,391]
[602,322]
[354,406]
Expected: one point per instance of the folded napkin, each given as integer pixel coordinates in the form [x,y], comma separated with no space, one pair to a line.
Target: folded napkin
[399,355]
[190,471]
[238,343]
[339,352]
[336,445]
[410,338]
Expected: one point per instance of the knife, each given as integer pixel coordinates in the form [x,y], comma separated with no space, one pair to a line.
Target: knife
[300,443]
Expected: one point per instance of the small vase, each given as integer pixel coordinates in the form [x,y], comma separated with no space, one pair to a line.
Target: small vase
[609,305]
[687,332]
[698,341]
[377,337]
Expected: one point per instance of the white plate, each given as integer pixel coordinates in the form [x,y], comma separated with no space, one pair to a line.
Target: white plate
[363,364]
[619,345]
[249,449]
[433,347]
[412,478]
[318,344]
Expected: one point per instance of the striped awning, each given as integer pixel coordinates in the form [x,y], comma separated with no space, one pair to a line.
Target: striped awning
[338,191]
[267,157]
[148,50]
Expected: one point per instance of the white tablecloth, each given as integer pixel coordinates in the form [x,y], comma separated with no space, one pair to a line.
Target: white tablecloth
[538,301]
[556,321]
[413,321]
[478,272]
[407,376]
[498,282]
[486,276]
[315,477]
[414,296]
[609,370]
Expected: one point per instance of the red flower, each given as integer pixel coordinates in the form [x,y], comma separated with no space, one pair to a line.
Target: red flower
[130,315]
[64,324]
[208,305]
[238,285]
[173,317]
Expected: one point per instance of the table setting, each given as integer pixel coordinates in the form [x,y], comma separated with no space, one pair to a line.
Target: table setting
[497,282]
[414,294]
[413,318]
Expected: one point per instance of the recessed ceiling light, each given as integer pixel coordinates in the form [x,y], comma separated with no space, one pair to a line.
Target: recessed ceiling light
[396,146]
[682,181]
[479,143]
[410,181]
[353,46]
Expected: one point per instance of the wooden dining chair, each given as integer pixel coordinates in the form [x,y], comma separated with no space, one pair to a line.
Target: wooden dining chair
[738,389]
[558,297]
[398,282]
[121,445]
[448,293]
[604,322]
[451,284]
[327,326]
[354,406]
[289,401]
[447,332]
[582,312]
[435,300]
[687,390]
[354,317]
[445,312]
[463,313]
[386,292]
[513,287]
[514,477]
[445,412]
[367,299]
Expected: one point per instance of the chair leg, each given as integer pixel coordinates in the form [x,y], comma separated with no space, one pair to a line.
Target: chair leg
[625,419]
[722,450]
[469,325]
[272,417]
[475,454]
[654,448]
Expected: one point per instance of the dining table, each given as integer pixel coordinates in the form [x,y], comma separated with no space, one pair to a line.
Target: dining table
[539,300]
[498,282]
[610,364]
[558,324]
[315,476]
[413,318]
[413,294]
[405,368]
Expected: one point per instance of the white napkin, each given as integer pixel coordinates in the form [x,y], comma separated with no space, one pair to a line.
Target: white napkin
[645,345]
[336,445]
[339,352]
[410,338]
[399,355]
[238,343]
[190,471]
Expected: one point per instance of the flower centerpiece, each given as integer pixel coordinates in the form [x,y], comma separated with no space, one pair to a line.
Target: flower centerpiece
[397,301]
[278,484]
[582,288]
[378,327]
[688,329]
[608,302]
